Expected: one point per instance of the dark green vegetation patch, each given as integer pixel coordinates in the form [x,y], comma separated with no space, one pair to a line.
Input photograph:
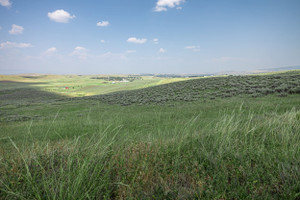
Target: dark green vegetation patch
[210,88]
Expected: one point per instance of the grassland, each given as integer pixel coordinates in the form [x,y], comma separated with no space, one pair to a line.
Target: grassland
[206,145]
[78,85]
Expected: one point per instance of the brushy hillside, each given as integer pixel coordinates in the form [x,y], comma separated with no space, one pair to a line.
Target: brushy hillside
[211,88]
[239,147]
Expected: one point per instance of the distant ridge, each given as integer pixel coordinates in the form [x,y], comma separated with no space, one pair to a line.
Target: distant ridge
[184,75]
[258,71]
[283,68]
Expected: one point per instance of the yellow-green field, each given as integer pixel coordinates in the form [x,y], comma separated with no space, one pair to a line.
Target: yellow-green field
[78,86]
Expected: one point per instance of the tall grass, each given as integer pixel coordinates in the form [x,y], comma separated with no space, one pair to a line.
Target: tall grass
[241,155]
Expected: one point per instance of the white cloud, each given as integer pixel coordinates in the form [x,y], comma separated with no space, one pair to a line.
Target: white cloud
[60,16]
[78,48]
[194,48]
[103,23]
[162,50]
[162,5]
[8,44]
[178,8]
[136,40]
[16,30]
[131,51]
[102,41]
[155,40]
[5,3]
[112,56]
[80,52]
[50,51]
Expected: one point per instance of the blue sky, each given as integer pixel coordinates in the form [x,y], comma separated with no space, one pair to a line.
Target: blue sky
[147,36]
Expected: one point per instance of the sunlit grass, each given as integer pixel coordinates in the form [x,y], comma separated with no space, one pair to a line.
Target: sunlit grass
[77,86]
[240,155]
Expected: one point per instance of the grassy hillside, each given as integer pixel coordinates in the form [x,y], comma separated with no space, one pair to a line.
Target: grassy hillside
[77,85]
[208,146]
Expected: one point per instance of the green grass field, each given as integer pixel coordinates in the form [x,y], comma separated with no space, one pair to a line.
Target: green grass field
[233,137]
[78,85]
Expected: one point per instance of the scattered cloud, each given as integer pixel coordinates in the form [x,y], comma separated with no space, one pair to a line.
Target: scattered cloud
[50,51]
[102,41]
[193,48]
[60,16]
[162,50]
[80,52]
[178,8]
[131,51]
[102,24]
[162,5]
[136,40]
[5,3]
[8,44]
[155,40]
[16,30]
[78,48]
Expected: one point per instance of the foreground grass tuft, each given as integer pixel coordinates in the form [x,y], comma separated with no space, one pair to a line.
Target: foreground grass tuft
[241,155]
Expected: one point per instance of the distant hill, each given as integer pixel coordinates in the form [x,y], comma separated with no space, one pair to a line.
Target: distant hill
[282,68]
[258,71]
